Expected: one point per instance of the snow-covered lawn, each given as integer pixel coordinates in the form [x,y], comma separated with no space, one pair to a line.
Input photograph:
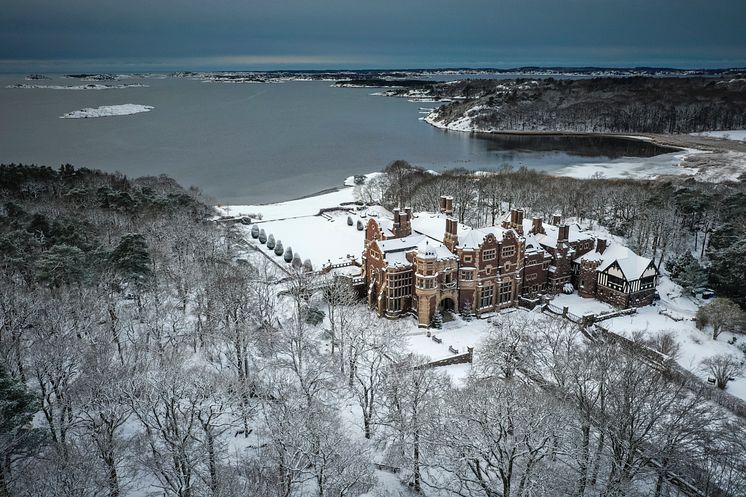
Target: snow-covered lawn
[675,313]
[579,305]
[317,238]
[733,134]
[107,110]
[297,223]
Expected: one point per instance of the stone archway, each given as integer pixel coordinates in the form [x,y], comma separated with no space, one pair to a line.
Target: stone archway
[447,305]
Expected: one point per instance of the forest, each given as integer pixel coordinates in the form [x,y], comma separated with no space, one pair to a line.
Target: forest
[597,105]
[145,349]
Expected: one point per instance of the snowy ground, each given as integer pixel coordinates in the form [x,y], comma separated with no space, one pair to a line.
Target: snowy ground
[734,134]
[297,223]
[107,110]
[323,240]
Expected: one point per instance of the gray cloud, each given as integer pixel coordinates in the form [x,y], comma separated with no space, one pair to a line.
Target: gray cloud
[328,33]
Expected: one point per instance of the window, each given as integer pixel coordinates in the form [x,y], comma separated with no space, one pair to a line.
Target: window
[485,299]
[615,283]
[509,251]
[489,254]
[467,258]
[426,283]
[506,292]
[508,267]
[467,274]
[531,277]
[399,287]
[647,283]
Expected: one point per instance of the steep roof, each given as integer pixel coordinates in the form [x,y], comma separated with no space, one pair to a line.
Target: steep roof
[632,265]
[395,249]
[551,233]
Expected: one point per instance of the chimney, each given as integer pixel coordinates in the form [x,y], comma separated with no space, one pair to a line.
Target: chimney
[519,221]
[537,225]
[448,206]
[442,204]
[513,216]
[450,239]
[564,233]
[601,245]
[405,222]
[556,219]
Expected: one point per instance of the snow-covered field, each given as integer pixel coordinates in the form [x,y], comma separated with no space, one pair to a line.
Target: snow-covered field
[297,223]
[733,134]
[107,110]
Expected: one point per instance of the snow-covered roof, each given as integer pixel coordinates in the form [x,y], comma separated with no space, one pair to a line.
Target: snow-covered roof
[632,265]
[532,245]
[395,249]
[473,238]
[551,233]
[429,224]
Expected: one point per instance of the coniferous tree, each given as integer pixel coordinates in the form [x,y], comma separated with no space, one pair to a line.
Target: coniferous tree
[17,436]
[131,259]
[279,248]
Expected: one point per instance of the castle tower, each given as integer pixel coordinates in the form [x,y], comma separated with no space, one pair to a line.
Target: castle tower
[426,285]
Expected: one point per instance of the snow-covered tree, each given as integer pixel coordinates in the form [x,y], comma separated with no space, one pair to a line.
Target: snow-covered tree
[307,266]
[296,263]
[262,236]
[360,226]
[271,241]
[255,231]
[722,367]
[722,314]
[288,256]
[279,250]
[349,221]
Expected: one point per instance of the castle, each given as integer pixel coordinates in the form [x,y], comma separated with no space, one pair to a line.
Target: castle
[429,263]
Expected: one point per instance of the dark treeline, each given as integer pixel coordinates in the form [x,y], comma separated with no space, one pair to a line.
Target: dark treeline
[660,219]
[599,105]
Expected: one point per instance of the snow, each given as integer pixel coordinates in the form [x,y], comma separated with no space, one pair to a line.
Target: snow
[316,238]
[580,306]
[308,206]
[107,110]
[733,134]
[675,313]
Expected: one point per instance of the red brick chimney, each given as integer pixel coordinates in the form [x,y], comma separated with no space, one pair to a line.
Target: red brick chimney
[450,238]
[537,225]
[448,206]
[601,245]
[556,219]
[564,233]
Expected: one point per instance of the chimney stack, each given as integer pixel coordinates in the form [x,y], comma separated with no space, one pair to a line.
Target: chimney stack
[448,206]
[450,239]
[556,219]
[442,204]
[564,233]
[538,225]
[601,245]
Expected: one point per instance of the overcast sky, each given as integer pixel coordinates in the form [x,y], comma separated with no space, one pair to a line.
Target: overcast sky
[245,34]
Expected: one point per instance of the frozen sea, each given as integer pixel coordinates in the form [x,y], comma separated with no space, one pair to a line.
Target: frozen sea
[256,143]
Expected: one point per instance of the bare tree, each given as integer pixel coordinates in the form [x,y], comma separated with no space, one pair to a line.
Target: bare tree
[722,367]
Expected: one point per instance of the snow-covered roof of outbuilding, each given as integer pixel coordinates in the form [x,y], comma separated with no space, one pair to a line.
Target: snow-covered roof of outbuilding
[632,265]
